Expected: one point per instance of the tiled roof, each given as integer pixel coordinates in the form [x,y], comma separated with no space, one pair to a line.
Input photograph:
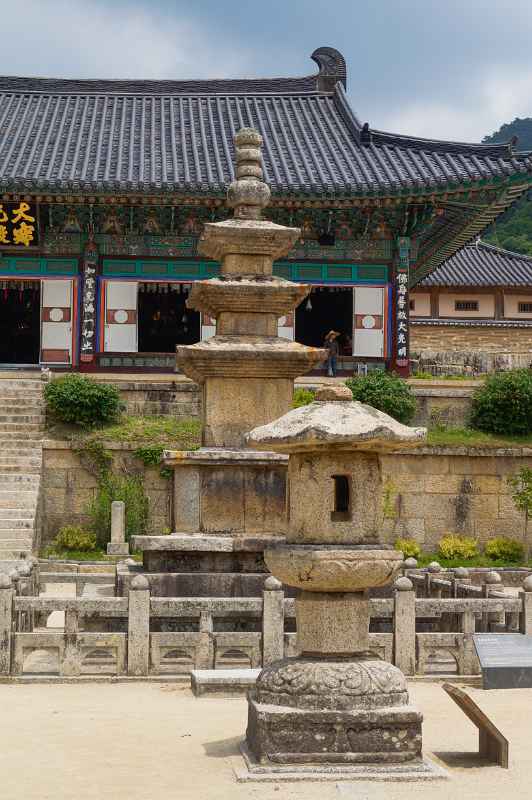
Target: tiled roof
[177,136]
[482,264]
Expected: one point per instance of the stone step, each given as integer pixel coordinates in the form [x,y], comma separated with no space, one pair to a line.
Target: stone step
[20,499]
[36,419]
[21,478]
[9,406]
[20,427]
[29,469]
[21,380]
[23,535]
[23,438]
[9,449]
[24,543]
[14,523]
[32,387]
[12,457]
[12,550]
[20,514]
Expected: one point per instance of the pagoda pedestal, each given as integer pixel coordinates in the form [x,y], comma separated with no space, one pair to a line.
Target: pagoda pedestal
[229,502]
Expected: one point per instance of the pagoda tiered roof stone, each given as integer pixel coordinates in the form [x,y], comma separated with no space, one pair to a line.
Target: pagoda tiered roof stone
[177,137]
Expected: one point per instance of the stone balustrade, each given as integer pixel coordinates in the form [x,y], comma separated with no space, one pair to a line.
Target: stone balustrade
[140,635]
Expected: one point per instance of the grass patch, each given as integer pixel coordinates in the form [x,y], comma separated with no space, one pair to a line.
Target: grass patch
[170,432]
[478,561]
[467,437]
[84,555]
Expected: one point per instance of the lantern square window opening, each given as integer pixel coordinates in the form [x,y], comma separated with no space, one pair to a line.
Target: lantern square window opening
[342,498]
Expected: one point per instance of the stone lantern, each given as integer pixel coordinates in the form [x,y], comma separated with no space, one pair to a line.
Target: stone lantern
[337,703]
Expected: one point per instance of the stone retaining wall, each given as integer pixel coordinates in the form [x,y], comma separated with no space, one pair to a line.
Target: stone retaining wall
[425,494]
[441,402]
[67,488]
[441,490]
[179,398]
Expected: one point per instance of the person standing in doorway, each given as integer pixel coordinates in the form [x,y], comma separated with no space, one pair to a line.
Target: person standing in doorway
[331,345]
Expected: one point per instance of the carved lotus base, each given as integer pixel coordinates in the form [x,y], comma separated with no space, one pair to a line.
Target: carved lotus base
[285,735]
[308,683]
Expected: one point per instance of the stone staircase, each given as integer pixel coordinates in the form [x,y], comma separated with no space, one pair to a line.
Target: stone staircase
[21,431]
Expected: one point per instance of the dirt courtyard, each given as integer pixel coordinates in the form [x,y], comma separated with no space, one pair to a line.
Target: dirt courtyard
[148,741]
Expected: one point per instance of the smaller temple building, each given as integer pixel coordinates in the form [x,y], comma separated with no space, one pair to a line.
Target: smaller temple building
[475,310]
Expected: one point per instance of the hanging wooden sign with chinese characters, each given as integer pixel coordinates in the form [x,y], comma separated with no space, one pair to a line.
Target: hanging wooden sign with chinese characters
[18,224]
[402,303]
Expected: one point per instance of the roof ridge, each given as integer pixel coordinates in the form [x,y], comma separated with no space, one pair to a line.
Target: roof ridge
[502,250]
[331,64]
[419,142]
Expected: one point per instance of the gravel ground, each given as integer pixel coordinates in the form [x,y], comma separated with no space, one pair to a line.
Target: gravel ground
[156,741]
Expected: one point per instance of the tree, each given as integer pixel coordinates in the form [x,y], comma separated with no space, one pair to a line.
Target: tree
[521,483]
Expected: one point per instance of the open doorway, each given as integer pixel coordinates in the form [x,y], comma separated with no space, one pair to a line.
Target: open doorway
[163,318]
[326,309]
[20,322]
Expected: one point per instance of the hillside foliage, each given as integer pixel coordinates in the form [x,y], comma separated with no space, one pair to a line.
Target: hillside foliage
[513,231]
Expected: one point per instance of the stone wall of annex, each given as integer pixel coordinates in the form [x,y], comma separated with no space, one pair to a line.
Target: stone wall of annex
[439,338]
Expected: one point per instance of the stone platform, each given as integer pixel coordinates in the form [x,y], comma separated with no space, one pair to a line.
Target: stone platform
[200,565]
[247,770]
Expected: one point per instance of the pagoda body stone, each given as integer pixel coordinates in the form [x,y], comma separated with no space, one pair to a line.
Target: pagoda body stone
[229,501]
[336,703]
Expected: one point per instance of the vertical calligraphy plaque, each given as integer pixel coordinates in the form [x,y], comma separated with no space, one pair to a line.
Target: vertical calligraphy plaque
[88,302]
[401,343]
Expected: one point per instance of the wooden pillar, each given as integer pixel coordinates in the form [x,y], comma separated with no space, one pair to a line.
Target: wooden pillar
[401,316]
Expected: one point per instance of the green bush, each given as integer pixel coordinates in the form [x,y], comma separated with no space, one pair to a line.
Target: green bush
[82,401]
[303,397]
[129,489]
[74,537]
[386,392]
[504,548]
[408,547]
[455,546]
[504,403]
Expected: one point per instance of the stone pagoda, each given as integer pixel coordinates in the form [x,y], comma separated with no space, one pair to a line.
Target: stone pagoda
[336,705]
[228,500]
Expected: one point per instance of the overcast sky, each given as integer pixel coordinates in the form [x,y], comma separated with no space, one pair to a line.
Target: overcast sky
[454,69]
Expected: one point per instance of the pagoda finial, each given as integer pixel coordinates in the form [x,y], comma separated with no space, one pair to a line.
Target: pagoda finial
[248,195]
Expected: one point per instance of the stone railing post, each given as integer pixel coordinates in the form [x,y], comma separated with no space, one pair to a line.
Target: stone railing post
[118,545]
[205,656]
[460,576]
[404,626]
[408,564]
[138,631]
[492,620]
[432,570]
[25,590]
[272,621]
[469,663]
[71,664]
[6,623]
[526,611]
